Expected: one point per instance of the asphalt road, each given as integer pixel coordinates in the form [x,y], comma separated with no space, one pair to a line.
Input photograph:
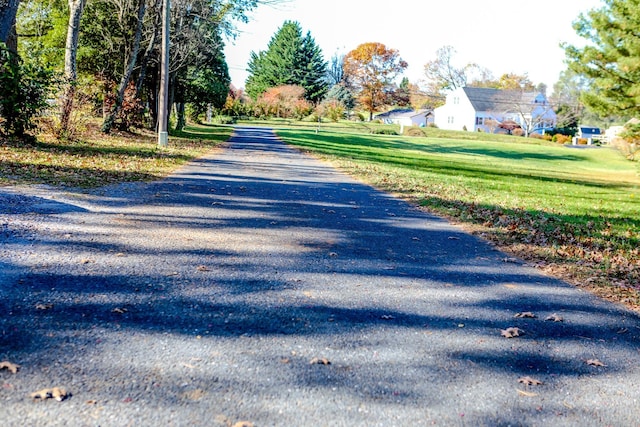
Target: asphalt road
[259,285]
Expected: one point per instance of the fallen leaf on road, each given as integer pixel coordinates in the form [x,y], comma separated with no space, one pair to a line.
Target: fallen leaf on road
[595,362]
[525,315]
[119,310]
[453,238]
[511,332]
[510,260]
[56,393]
[529,381]
[203,268]
[11,367]
[554,318]
[320,361]
[526,393]
[387,317]
[42,306]
[243,424]
[333,254]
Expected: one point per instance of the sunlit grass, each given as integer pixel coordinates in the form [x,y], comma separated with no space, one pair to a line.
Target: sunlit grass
[575,211]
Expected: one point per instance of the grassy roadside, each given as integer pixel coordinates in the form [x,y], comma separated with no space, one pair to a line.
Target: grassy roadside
[573,212]
[97,159]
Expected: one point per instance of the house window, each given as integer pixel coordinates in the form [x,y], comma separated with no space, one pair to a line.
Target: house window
[450,119]
[456,100]
[479,121]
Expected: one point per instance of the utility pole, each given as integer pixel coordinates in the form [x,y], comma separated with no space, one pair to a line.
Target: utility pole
[163,97]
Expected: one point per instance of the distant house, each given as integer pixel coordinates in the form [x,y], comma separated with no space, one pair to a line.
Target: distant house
[589,132]
[406,117]
[495,110]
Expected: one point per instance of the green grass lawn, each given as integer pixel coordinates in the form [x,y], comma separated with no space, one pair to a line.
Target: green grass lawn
[575,211]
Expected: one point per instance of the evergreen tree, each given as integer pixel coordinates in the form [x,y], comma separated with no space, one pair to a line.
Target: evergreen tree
[290,59]
[611,61]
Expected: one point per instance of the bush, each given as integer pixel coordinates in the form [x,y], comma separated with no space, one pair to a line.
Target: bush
[517,132]
[414,131]
[544,137]
[23,93]
[561,139]
[384,131]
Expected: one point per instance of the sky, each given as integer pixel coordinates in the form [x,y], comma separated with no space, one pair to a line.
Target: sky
[504,36]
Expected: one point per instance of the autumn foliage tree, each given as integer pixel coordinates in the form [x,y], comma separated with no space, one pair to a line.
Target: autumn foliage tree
[370,69]
[284,102]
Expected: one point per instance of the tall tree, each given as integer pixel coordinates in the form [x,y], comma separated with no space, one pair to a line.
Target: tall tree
[371,70]
[335,72]
[442,75]
[8,10]
[290,59]
[611,59]
[76,8]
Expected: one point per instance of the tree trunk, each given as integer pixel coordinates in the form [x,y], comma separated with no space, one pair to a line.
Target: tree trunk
[76,7]
[8,11]
[124,82]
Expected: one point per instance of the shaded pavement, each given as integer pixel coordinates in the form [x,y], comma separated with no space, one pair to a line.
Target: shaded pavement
[202,299]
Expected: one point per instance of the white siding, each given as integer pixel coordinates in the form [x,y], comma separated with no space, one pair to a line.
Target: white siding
[456,116]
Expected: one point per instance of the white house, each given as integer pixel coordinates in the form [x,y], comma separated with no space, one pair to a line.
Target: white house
[406,117]
[494,110]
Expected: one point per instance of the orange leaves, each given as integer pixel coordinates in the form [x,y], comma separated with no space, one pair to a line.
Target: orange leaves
[372,68]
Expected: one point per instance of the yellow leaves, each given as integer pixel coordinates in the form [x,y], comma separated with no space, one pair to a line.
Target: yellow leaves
[11,367]
[595,362]
[56,393]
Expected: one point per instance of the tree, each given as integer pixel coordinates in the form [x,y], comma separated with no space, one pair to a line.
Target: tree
[611,59]
[290,59]
[371,69]
[76,7]
[507,81]
[8,11]
[335,71]
[443,76]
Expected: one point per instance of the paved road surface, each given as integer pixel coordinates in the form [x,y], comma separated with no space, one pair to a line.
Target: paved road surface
[202,299]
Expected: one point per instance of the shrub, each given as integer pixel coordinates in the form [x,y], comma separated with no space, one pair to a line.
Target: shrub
[384,131]
[332,109]
[561,139]
[544,137]
[23,93]
[414,131]
[517,132]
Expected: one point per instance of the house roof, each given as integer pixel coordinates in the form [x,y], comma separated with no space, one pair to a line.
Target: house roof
[487,99]
[401,112]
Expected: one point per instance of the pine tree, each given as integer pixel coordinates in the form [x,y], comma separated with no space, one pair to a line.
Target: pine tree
[290,59]
[611,61]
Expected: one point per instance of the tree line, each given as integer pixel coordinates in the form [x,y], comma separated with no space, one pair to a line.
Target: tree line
[103,56]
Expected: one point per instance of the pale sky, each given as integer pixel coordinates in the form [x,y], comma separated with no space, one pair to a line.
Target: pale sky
[505,36]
